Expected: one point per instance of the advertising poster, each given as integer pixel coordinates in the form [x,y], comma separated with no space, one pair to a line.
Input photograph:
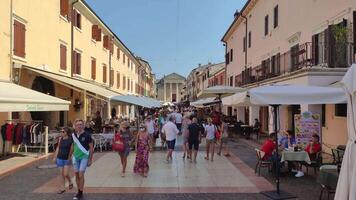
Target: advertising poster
[306,125]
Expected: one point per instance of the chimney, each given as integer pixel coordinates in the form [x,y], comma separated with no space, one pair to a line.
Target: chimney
[199,64]
[236,14]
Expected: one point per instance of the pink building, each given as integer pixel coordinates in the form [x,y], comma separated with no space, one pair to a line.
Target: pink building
[306,42]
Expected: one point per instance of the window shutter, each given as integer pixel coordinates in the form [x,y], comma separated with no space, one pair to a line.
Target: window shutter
[64,8]
[93,69]
[231,54]
[16,38]
[74,56]
[98,35]
[63,57]
[94,32]
[74,18]
[111,45]
[104,73]
[124,58]
[315,49]
[79,58]
[118,53]
[118,80]
[79,21]
[106,42]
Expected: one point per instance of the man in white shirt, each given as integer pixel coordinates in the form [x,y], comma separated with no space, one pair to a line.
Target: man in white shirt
[210,130]
[151,130]
[179,119]
[171,131]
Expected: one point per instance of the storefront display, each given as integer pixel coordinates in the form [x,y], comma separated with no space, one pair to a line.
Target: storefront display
[306,125]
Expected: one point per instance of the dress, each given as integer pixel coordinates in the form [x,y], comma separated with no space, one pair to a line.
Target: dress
[126,137]
[143,150]
[185,131]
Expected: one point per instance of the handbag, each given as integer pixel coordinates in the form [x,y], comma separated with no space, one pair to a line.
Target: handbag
[118,144]
[217,133]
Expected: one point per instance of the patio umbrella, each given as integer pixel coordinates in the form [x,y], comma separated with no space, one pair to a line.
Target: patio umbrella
[204,102]
[346,186]
[241,99]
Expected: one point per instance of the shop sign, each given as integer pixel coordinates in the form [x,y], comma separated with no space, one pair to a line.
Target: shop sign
[306,125]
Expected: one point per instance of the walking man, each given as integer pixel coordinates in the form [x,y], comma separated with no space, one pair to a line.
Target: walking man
[82,155]
[194,139]
[179,118]
[171,131]
[151,131]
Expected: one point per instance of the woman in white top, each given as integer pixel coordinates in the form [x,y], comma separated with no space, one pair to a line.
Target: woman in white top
[224,139]
[210,129]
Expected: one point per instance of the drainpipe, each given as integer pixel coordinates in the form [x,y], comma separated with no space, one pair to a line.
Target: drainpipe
[11,40]
[243,16]
[225,44]
[72,36]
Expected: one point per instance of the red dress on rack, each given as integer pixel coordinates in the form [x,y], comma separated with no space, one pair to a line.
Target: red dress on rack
[9,132]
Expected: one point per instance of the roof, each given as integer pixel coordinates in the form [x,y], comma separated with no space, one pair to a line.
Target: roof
[214,69]
[223,39]
[172,75]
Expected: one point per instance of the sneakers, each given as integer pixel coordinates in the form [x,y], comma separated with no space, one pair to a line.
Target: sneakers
[294,171]
[299,174]
[78,196]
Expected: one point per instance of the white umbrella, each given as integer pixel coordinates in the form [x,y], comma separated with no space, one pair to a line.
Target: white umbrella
[241,99]
[220,91]
[346,186]
[204,102]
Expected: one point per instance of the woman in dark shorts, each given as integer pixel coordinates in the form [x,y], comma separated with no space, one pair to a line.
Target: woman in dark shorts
[62,157]
[126,137]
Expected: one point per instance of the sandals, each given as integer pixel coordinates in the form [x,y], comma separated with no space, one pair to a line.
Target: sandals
[61,191]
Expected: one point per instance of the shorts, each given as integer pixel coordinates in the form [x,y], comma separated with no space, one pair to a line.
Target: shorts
[80,165]
[171,144]
[61,163]
[210,141]
[194,144]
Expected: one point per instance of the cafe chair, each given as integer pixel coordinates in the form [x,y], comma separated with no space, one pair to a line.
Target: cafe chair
[262,163]
[324,185]
[315,163]
[99,142]
[337,156]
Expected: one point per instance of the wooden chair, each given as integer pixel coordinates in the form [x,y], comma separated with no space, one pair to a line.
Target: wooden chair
[261,163]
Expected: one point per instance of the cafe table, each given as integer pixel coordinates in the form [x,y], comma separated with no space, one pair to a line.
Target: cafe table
[290,155]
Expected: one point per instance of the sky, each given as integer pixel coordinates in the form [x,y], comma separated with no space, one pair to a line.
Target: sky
[172,35]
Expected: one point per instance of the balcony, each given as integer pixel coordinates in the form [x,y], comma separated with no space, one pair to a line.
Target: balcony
[302,56]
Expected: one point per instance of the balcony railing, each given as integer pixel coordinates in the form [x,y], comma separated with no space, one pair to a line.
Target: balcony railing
[301,56]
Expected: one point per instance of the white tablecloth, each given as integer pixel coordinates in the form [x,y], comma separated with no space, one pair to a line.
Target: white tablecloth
[295,156]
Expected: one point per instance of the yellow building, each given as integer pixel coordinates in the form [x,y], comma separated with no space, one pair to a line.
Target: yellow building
[67,51]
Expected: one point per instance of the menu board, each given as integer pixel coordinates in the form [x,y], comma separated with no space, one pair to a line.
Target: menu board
[306,125]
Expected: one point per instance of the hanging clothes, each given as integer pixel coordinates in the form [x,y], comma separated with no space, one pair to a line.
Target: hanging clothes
[9,132]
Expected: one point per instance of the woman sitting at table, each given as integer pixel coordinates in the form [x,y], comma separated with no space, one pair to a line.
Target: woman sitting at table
[287,140]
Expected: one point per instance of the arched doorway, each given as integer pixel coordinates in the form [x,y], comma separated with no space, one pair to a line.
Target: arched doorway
[45,86]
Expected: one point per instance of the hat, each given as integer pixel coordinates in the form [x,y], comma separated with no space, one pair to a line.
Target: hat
[124,124]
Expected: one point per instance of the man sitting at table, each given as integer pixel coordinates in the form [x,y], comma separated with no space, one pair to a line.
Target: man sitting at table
[268,147]
[312,149]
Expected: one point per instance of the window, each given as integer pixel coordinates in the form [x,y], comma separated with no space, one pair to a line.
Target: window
[236,81]
[123,58]
[266,25]
[128,84]
[244,44]
[64,8]
[19,39]
[104,73]
[106,42]
[231,81]
[93,68]
[118,54]
[275,17]
[249,39]
[77,19]
[111,77]
[118,80]
[340,110]
[323,112]
[231,55]
[96,33]
[227,58]
[77,62]
[128,62]
[63,57]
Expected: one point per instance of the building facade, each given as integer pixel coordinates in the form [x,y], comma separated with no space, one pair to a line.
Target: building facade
[66,51]
[272,42]
[169,88]
[146,79]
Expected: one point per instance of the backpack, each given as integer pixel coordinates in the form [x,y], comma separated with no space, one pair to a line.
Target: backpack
[118,144]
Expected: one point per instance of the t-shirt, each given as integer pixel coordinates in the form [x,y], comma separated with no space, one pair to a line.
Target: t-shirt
[210,131]
[267,147]
[150,127]
[194,132]
[85,140]
[171,131]
[316,148]
[64,148]
[179,118]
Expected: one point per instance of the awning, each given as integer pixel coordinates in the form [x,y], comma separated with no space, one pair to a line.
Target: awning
[131,100]
[153,102]
[91,87]
[205,102]
[15,98]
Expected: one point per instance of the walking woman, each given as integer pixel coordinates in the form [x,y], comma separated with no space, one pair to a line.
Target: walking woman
[62,157]
[126,137]
[210,130]
[142,151]
[186,122]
